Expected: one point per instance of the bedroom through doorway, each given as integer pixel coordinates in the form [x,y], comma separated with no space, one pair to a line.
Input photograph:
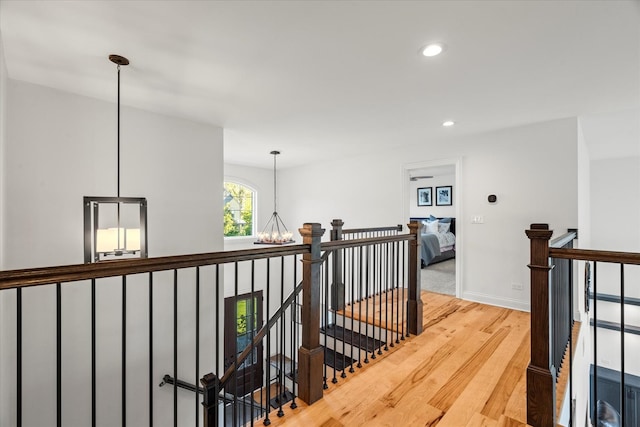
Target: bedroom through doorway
[433,195]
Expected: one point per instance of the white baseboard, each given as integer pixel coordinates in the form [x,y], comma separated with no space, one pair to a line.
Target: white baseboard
[511,303]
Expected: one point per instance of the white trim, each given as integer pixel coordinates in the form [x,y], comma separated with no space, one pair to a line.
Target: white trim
[457,200]
[511,303]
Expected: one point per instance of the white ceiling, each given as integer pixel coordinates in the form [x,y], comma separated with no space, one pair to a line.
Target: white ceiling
[321,78]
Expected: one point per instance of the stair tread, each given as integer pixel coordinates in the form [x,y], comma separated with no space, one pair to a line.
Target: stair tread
[352,337]
[336,360]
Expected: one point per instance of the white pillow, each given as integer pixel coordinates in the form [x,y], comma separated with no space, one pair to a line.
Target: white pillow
[432,226]
[443,227]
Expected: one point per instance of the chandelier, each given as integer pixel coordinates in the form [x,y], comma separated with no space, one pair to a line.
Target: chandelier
[275,232]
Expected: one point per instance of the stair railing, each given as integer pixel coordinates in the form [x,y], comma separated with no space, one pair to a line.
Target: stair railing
[370,295]
[171,329]
[553,304]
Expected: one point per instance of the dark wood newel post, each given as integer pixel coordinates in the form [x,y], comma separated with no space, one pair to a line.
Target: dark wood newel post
[541,382]
[210,383]
[311,355]
[337,284]
[414,303]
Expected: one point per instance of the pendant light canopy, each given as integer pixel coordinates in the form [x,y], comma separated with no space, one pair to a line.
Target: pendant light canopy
[115,226]
[275,232]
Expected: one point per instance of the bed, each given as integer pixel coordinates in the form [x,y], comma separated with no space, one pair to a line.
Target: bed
[438,239]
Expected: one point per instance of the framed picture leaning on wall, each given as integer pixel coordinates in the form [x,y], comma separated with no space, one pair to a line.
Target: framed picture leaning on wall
[424,196]
[444,196]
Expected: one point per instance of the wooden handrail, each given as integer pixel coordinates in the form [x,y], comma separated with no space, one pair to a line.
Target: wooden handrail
[342,244]
[594,255]
[72,273]
[373,229]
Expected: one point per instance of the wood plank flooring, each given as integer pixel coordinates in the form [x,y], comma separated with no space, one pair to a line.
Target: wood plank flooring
[467,368]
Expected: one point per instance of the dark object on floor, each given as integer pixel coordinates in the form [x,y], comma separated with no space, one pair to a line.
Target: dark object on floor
[607,416]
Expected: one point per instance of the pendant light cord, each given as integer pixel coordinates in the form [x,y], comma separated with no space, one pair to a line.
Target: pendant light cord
[275,188]
[118,131]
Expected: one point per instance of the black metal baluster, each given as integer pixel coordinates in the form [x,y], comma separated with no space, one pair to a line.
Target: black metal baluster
[623,394]
[373,284]
[380,280]
[267,421]
[404,282]
[19,357]
[366,301]
[294,332]
[393,291]
[327,306]
[324,274]
[282,321]
[344,313]
[59,354]
[93,352]
[234,413]
[595,339]
[151,349]
[352,302]
[386,298]
[216,323]
[175,347]
[570,318]
[360,299]
[252,329]
[124,351]
[197,378]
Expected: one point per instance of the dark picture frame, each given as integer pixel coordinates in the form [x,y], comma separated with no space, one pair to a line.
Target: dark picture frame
[425,196]
[444,195]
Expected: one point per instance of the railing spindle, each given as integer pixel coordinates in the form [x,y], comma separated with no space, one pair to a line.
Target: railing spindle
[175,347]
[267,421]
[623,395]
[59,353]
[294,329]
[151,382]
[124,351]
[197,396]
[595,338]
[19,357]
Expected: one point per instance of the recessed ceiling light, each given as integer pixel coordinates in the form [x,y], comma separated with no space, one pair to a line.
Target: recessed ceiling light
[433,49]
[448,123]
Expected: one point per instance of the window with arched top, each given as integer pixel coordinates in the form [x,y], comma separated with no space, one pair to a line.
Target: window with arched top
[239,203]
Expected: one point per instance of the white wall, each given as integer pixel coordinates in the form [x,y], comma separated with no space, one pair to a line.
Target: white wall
[437,211]
[60,147]
[4,404]
[532,169]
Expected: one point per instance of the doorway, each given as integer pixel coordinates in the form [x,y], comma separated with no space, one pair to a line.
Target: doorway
[432,190]
[243,319]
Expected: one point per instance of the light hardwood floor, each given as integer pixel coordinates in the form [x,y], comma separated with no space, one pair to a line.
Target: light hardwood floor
[466,369]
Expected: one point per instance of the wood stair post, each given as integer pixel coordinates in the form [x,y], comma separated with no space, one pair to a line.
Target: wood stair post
[414,303]
[541,381]
[311,354]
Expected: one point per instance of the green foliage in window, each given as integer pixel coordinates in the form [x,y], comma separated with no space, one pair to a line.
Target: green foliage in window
[238,210]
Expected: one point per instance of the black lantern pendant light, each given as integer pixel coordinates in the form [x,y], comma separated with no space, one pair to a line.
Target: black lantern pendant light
[112,225]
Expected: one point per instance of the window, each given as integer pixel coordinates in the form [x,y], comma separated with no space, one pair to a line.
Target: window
[238,209]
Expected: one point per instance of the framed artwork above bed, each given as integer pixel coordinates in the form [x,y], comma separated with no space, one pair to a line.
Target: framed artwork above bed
[444,196]
[424,196]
